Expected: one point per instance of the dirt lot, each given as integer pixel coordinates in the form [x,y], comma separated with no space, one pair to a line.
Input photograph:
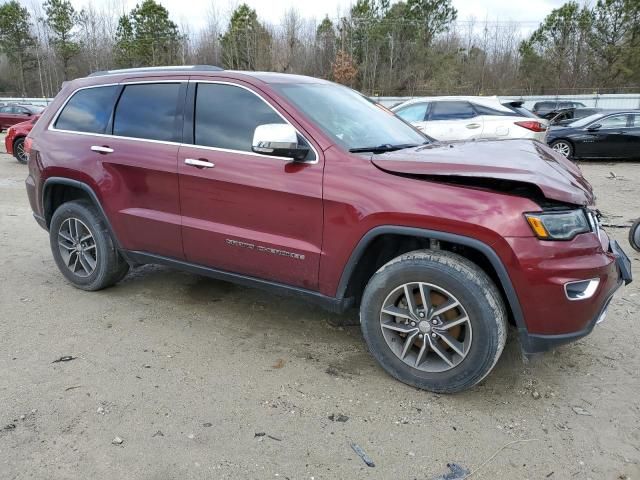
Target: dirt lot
[187,371]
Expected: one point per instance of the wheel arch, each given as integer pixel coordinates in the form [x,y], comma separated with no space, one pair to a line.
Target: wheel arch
[17,137]
[367,257]
[59,190]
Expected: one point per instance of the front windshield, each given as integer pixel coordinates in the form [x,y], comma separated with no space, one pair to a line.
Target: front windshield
[586,120]
[347,117]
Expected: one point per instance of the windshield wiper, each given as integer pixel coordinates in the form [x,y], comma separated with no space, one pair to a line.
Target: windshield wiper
[385,148]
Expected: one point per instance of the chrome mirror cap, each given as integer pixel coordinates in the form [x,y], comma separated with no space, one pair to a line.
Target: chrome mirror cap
[278,139]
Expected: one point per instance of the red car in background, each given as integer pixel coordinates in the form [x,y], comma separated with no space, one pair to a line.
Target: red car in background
[14,113]
[14,141]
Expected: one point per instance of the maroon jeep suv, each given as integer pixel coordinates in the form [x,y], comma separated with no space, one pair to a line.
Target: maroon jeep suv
[302,186]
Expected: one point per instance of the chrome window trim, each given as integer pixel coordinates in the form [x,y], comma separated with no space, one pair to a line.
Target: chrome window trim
[286,159]
[52,128]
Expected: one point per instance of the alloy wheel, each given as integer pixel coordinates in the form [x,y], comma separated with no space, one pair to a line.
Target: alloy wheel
[563,148]
[426,327]
[21,154]
[77,247]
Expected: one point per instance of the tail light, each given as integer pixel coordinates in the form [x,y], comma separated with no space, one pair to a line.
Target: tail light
[28,143]
[533,126]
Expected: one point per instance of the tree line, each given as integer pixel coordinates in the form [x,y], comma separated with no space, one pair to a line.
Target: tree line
[409,47]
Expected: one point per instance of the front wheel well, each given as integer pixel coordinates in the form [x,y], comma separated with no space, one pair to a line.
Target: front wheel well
[20,137]
[386,247]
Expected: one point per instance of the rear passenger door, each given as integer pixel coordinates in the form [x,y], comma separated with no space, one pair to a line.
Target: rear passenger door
[453,120]
[123,141]
[244,212]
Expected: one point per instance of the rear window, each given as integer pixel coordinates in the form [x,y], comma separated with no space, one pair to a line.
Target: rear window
[523,112]
[147,111]
[88,110]
[451,110]
[484,110]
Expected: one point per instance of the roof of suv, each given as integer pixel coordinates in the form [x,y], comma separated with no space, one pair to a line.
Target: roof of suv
[110,76]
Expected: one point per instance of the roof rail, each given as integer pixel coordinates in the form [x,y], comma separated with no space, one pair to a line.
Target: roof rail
[210,68]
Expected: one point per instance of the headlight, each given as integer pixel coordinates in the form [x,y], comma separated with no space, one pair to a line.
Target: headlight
[563,225]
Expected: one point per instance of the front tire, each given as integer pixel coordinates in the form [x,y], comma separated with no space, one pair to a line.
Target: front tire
[563,147]
[18,151]
[634,235]
[83,248]
[434,320]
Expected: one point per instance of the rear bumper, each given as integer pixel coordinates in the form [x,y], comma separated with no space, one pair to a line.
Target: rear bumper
[552,318]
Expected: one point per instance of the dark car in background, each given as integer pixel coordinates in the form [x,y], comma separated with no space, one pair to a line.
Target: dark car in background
[570,115]
[546,109]
[14,113]
[604,135]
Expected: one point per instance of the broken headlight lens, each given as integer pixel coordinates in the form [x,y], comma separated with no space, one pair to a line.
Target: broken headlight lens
[564,225]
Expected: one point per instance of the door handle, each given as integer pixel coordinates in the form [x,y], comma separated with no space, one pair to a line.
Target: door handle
[100,149]
[473,125]
[193,162]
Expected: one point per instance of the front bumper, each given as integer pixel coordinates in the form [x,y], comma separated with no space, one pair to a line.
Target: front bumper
[8,142]
[551,318]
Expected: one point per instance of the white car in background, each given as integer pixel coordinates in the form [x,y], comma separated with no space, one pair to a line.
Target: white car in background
[469,118]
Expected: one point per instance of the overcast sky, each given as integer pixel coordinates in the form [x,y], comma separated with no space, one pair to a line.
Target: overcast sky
[192,12]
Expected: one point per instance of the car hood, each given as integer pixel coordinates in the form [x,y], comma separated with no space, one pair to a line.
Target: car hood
[523,161]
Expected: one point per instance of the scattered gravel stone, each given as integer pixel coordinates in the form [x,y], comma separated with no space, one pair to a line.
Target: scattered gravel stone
[535,394]
[117,441]
[580,411]
[338,418]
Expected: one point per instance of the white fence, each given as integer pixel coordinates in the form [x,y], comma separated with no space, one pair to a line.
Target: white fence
[614,101]
[617,101]
[31,101]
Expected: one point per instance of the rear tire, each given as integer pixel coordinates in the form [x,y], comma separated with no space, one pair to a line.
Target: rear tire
[18,151]
[83,248]
[563,147]
[634,235]
[449,351]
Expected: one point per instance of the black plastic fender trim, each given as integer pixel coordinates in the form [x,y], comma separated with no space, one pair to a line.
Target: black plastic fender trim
[46,201]
[474,243]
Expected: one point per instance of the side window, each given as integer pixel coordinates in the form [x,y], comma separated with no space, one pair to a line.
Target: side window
[413,113]
[635,121]
[452,111]
[227,116]
[6,109]
[482,110]
[147,111]
[88,110]
[615,121]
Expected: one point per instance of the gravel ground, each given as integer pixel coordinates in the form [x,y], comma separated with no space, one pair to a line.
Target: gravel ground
[187,371]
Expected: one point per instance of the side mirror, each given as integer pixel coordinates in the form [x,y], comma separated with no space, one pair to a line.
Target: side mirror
[278,139]
[593,128]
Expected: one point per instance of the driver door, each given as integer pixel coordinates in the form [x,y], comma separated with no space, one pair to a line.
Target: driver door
[610,140]
[245,212]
